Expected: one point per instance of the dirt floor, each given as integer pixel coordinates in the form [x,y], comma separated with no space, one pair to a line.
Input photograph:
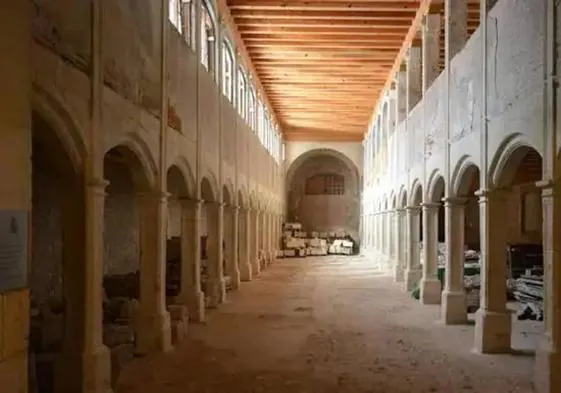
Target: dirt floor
[326,325]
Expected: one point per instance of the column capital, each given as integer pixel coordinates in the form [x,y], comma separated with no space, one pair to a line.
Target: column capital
[154,194]
[485,194]
[454,201]
[549,187]
[430,205]
[190,202]
[98,185]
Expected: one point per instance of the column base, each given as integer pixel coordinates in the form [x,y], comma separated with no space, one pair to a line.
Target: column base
[454,308]
[412,278]
[245,271]
[153,332]
[235,279]
[196,307]
[398,273]
[431,289]
[256,267]
[492,331]
[217,291]
[86,372]
[547,378]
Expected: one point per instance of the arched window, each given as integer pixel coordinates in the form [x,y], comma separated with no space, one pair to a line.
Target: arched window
[227,70]
[242,93]
[325,184]
[182,16]
[252,110]
[208,39]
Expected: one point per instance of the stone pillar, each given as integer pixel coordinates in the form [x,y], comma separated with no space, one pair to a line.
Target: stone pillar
[547,378]
[414,80]
[15,163]
[454,302]
[244,245]
[392,225]
[153,324]
[430,284]
[233,264]
[413,265]
[96,366]
[455,26]
[430,49]
[216,285]
[492,320]
[401,87]
[255,242]
[399,270]
[191,294]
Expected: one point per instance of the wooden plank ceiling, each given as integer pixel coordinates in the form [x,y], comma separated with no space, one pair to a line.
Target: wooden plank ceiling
[323,63]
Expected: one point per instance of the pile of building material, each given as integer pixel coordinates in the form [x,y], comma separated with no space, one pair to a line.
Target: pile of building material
[529,292]
[317,246]
[293,240]
[341,247]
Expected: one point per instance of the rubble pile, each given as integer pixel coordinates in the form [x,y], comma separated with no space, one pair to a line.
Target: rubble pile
[529,292]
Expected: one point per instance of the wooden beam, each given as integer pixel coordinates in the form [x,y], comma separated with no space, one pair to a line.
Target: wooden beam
[322,5]
[301,15]
[341,23]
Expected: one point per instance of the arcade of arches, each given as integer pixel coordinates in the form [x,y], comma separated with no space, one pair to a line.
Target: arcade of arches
[146,174]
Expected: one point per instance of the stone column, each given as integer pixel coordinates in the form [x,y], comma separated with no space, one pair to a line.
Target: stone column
[413,264]
[191,294]
[414,80]
[492,320]
[454,302]
[455,26]
[430,49]
[16,74]
[153,324]
[233,263]
[244,245]
[547,378]
[401,82]
[216,285]
[430,284]
[255,243]
[399,270]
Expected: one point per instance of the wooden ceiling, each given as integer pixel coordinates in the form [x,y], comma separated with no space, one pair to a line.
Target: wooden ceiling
[323,64]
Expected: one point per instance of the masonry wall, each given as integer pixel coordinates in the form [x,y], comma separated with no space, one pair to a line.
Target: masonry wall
[515,73]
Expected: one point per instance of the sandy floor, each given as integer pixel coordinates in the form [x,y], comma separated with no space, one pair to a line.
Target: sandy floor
[325,325]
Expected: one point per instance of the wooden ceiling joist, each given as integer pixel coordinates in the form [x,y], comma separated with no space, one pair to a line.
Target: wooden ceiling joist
[323,63]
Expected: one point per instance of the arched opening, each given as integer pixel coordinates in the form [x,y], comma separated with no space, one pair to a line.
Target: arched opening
[513,223]
[212,263]
[230,266]
[414,217]
[254,234]
[208,38]
[181,286]
[433,254]
[460,275]
[178,202]
[244,238]
[324,194]
[57,247]
[127,195]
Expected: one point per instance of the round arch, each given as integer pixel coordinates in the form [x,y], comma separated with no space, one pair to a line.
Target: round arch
[416,196]
[435,186]
[298,162]
[61,121]
[510,154]
[188,179]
